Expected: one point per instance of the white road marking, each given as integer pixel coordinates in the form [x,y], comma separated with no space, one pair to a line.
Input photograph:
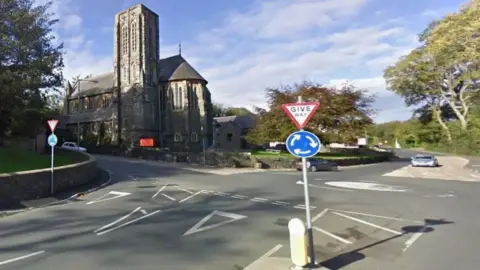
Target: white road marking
[258,199]
[242,197]
[281,203]
[414,238]
[332,235]
[160,190]
[264,256]
[198,227]
[143,211]
[116,193]
[117,221]
[186,190]
[222,194]
[321,214]
[440,196]
[378,216]
[168,197]
[301,206]
[191,196]
[207,191]
[330,188]
[367,223]
[128,223]
[366,186]
[22,257]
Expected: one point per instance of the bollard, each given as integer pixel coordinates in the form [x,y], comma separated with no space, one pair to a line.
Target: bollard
[298,243]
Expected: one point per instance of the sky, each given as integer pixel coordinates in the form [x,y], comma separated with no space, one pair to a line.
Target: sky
[244,46]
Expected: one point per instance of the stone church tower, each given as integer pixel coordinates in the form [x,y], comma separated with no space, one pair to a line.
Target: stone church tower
[136,54]
[145,96]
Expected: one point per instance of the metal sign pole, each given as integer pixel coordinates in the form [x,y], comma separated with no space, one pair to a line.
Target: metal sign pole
[311,249]
[51,170]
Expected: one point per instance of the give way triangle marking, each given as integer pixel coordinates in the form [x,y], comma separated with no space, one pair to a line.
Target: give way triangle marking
[105,197]
[198,227]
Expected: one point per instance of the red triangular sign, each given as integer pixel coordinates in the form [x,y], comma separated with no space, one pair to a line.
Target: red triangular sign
[300,113]
[52,124]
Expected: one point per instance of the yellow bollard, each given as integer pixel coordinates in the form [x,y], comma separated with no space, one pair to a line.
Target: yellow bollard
[298,243]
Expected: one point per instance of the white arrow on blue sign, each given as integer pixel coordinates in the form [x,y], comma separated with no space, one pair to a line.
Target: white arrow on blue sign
[303,144]
[52,140]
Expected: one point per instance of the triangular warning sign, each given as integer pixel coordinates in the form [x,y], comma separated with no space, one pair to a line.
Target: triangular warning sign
[300,113]
[106,197]
[198,227]
[52,124]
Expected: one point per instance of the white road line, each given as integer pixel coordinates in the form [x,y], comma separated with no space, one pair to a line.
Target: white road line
[127,223]
[143,211]
[117,221]
[321,214]
[186,190]
[256,199]
[191,196]
[242,197]
[264,256]
[160,190]
[22,257]
[331,188]
[168,197]
[332,235]
[207,191]
[280,202]
[414,238]
[301,206]
[367,223]
[378,216]
[221,194]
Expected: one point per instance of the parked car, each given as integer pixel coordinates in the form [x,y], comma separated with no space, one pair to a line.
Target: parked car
[73,146]
[317,164]
[424,161]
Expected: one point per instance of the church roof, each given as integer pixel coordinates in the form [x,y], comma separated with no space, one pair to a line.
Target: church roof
[177,68]
[94,85]
[243,121]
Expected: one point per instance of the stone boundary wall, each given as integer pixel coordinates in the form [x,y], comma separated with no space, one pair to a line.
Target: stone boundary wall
[34,184]
[284,163]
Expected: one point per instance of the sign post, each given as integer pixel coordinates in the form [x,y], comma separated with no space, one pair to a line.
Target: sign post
[304,144]
[52,141]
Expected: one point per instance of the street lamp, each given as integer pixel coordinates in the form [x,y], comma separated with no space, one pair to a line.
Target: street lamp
[78,107]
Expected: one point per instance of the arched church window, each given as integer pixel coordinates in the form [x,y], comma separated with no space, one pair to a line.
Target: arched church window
[180,98]
[134,36]
[177,137]
[194,137]
[125,40]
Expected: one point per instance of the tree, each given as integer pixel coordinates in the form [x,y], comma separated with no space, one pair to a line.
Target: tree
[29,62]
[343,115]
[219,110]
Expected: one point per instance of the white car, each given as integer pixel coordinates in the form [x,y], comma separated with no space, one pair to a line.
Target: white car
[424,161]
[73,146]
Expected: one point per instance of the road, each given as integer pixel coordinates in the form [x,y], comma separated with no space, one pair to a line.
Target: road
[156,216]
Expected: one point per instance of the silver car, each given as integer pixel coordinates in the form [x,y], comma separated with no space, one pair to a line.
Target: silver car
[424,161]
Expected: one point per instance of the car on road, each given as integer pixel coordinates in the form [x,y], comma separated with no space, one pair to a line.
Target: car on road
[73,146]
[317,164]
[424,161]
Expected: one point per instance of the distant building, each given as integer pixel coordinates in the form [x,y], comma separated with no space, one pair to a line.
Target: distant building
[145,96]
[230,132]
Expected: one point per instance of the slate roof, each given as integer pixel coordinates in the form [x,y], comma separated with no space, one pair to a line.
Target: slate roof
[94,86]
[92,116]
[243,121]
[177,68]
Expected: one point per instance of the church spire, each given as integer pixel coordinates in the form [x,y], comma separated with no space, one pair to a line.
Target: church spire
[180,48]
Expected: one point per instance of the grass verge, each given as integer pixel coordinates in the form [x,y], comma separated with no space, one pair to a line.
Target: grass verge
[14,160]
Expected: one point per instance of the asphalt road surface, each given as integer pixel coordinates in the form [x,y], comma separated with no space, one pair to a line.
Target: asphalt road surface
[161,217]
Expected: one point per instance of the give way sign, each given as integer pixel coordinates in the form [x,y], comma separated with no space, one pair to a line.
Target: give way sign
[300,113]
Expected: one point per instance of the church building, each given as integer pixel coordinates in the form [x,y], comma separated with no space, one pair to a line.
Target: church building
[145,96]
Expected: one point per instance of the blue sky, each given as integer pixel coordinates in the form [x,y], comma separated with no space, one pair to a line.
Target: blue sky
[243,46]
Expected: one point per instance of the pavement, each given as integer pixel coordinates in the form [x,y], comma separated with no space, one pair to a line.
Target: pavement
[156,216]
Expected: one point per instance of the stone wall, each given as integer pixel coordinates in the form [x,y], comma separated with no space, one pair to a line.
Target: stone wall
[288,163]
[27,185]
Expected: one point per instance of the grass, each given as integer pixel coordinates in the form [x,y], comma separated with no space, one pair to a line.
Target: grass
[14,160]
[327,156]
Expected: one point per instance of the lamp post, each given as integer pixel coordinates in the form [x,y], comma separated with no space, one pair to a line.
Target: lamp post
[78,111]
